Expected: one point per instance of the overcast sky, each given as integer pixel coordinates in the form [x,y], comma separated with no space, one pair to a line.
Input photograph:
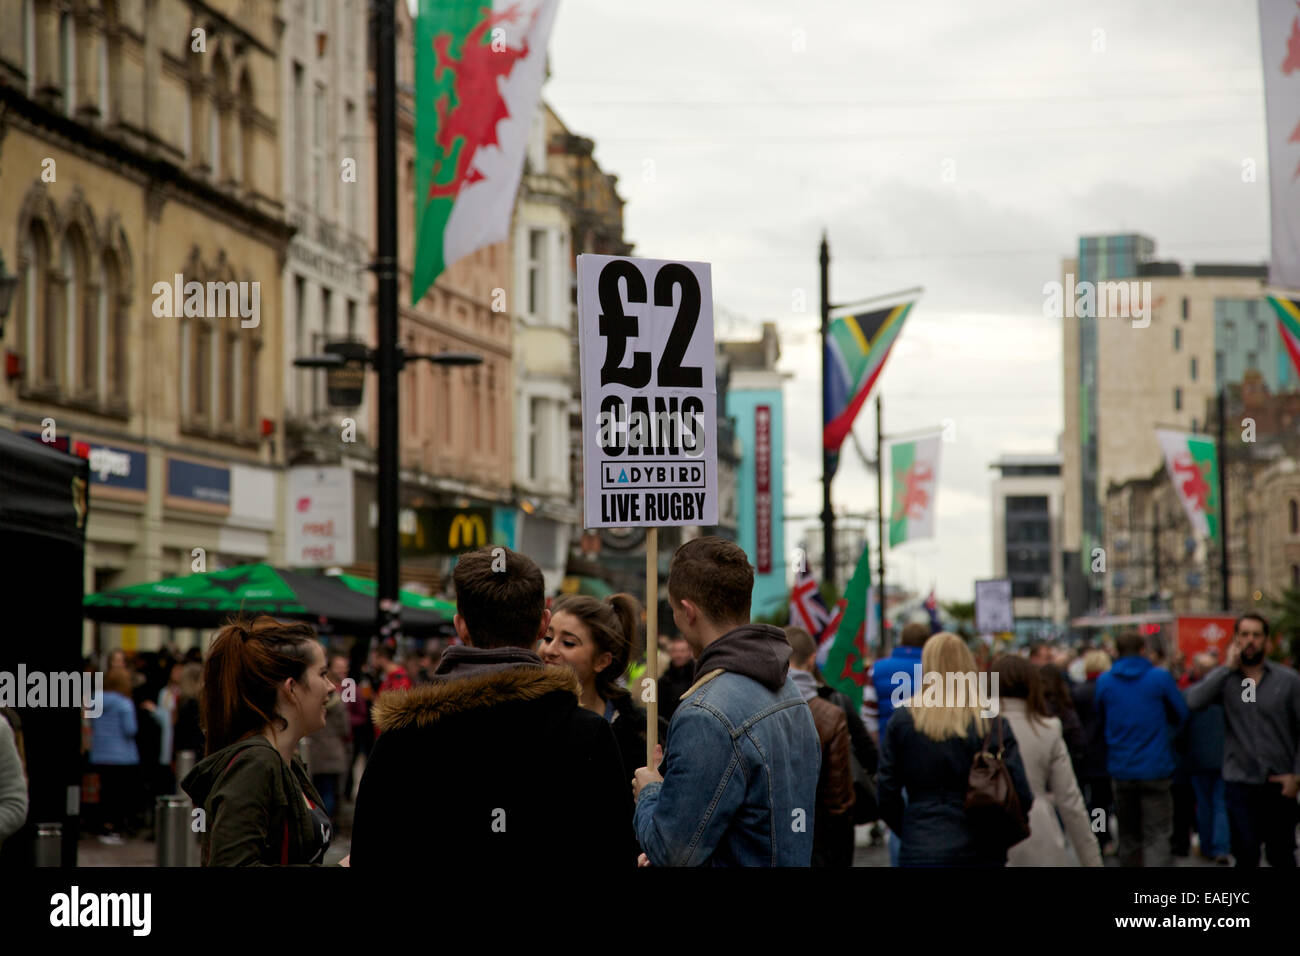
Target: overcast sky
[958,146]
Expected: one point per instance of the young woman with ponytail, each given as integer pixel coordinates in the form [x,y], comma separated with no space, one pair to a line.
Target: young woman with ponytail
[598,639]
[265,687]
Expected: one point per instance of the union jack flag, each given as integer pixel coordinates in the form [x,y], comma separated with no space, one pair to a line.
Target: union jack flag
[807,609]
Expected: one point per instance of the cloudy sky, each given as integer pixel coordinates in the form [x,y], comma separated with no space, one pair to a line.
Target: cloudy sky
[958,146]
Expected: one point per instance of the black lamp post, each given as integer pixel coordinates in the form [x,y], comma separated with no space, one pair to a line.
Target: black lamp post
[8,285]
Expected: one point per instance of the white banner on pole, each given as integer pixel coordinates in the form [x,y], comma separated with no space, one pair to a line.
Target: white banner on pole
[1279,26]
[649,397]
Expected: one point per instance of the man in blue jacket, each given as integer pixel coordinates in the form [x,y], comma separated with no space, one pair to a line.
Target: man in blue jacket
[740,774]
[1140,706]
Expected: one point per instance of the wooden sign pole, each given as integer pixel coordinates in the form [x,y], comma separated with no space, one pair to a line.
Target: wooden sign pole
[652,644]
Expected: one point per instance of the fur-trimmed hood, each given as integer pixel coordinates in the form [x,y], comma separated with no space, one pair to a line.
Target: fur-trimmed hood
[427,704]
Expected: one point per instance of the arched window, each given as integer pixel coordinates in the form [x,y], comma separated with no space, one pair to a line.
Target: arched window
[33,302]
[112,330]
[199,129]
[76,325]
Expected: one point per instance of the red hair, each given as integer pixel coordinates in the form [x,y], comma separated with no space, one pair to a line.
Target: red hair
[247,662]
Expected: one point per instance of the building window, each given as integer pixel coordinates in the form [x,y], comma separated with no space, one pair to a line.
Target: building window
[1220,361]
[247,112]
[492,410]
[536,270]
[1178,399]
[68,61]
[1295,516]
[300,340]
[1230,334]
[29,45]
[1295,577]
[1252,360]
[299,130]
[1261,336]
[352,321]
[34,265]
[318,145]
[350,150]
[1193,368]
[536,410]
[1178,339]
[1184,307]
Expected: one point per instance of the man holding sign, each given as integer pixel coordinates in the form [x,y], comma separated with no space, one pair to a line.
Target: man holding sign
[740,775]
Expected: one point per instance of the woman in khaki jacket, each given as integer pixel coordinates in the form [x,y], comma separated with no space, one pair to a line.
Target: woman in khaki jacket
[1047,765]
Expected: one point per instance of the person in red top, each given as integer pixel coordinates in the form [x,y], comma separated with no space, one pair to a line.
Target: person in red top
[395,676]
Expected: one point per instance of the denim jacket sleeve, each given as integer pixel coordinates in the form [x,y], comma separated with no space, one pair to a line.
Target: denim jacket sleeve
[681,821]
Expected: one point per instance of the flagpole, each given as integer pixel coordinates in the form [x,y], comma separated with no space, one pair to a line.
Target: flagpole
[1223,494]
[880,522]
[828,516]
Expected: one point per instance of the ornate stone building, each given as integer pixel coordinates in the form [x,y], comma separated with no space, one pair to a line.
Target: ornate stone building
[140,208]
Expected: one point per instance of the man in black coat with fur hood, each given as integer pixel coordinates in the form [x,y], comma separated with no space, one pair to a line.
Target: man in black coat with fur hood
[494,762]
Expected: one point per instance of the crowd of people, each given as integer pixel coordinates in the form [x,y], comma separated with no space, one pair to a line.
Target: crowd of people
[527,737]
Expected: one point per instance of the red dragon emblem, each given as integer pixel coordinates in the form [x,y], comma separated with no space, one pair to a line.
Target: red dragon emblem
[915,498]
[1194,485]
[479,105]
[1289,66]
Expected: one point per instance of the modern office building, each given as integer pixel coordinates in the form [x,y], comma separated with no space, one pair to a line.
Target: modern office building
[1146,344]
[1028,501]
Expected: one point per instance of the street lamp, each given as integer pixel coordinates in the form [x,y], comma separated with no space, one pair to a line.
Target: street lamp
[339,355]
[8,285]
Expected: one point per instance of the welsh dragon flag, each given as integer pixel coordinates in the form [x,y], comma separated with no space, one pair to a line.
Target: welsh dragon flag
[844,667]
[915,469]
[479,67]
[1192,461]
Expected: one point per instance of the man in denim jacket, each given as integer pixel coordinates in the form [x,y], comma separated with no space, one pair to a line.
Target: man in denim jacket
[740,776]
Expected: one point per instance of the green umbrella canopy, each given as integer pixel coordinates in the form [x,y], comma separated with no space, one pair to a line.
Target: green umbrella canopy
[208,600]
[408,599]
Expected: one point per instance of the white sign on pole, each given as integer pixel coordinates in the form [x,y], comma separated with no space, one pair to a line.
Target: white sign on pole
[993,613]
[649,398]
[320,526]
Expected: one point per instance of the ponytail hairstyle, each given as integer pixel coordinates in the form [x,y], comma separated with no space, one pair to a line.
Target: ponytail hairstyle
[615,626]
[248,660]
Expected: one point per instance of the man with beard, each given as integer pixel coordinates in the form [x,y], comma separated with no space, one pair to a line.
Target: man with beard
[1261,754]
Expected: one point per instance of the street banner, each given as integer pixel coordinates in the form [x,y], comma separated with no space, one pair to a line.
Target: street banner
[649,397]
[319,530]
[856,347]
[914,465]
[1192,463]
[479,68]
[845,665]
[1288,327]
[993,609]
[1279,30]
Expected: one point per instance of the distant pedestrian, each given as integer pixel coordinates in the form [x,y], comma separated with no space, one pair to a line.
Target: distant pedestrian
[833,832]
[265,687]
[739,786]
[330,748]
[886,677]
[1140,707]
[1094,777]
[1049,770]
[1261,754]
[114,756]
[394,674]
[927,751]
[1205,737]
[679,676]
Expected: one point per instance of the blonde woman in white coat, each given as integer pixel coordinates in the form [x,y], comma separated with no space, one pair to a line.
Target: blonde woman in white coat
[1047,765]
